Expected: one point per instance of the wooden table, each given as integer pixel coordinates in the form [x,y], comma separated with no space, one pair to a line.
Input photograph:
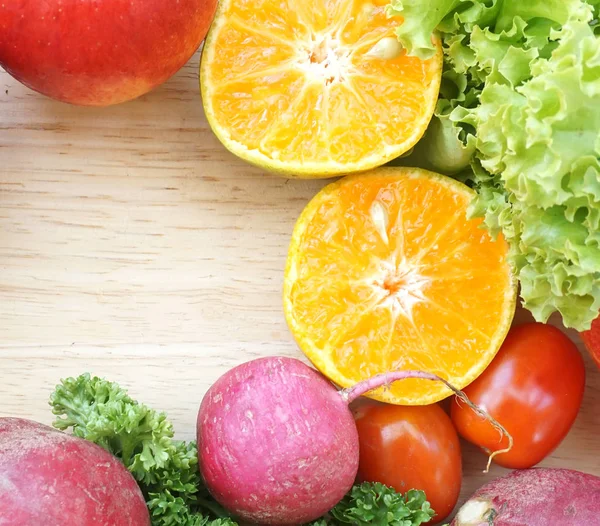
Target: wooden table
[134,246]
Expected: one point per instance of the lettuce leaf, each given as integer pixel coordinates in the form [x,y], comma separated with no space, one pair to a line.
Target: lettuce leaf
[420,23]
[543,139]
[521,99]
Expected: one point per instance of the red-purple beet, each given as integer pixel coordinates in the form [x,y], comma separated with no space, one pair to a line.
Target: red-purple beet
[535,497]
[277,443]
[50,478]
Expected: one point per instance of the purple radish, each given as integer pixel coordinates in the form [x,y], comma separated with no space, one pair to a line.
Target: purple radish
[535,497]
[277,443]
[49,478]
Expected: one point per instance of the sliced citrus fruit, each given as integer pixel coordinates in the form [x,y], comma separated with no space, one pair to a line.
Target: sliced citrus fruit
[385,272]
[314,88]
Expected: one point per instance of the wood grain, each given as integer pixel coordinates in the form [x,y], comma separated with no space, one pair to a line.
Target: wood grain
[134,246]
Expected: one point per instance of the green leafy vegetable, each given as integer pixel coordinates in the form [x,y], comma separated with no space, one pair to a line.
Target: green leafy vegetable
[419,25]
[377,504]
[167,469]
[519,120]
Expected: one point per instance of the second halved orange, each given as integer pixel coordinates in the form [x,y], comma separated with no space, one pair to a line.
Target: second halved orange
[385,272]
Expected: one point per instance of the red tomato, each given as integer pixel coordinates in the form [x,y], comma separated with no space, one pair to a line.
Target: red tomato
[591,339]
[411,448]
[533,387]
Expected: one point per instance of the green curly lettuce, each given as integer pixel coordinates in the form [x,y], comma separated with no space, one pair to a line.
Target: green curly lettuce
[422,19]
[167,469]
[518,119]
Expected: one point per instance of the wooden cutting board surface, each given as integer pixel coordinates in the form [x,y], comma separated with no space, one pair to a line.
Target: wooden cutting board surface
[134,246]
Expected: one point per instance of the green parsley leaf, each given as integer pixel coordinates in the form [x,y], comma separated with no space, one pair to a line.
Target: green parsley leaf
[166,469]
[378,505]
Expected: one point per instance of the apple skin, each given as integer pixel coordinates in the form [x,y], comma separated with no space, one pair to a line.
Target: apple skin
[591,339]
[99,52]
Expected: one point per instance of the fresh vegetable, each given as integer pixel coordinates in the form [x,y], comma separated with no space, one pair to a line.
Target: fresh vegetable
[301,435]
[50,478]
[534,497]
[167,470]
[377,504]
[519,120]
[534,387]
[314,89]
[277,442]
[385,272]
[591,339]
[411,447]
[100,52]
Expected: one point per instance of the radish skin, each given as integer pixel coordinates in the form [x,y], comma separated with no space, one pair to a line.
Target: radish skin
[53,479]
[535,497]
[277,442]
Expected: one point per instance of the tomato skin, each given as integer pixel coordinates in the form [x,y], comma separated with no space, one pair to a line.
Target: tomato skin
[533,387]
[411,447]
[591,339]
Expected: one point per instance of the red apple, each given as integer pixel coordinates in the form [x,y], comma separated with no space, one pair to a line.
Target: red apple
[99,52]
[591,339]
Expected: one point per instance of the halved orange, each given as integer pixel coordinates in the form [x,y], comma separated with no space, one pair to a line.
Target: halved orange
[307,88]
[385,272]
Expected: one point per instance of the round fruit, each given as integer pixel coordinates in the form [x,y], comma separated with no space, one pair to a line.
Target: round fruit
[385,272]
[411,448]
[314,88]
[534,388]
[99,52]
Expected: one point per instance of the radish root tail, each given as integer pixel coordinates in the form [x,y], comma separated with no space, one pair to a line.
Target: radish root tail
[385,379]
